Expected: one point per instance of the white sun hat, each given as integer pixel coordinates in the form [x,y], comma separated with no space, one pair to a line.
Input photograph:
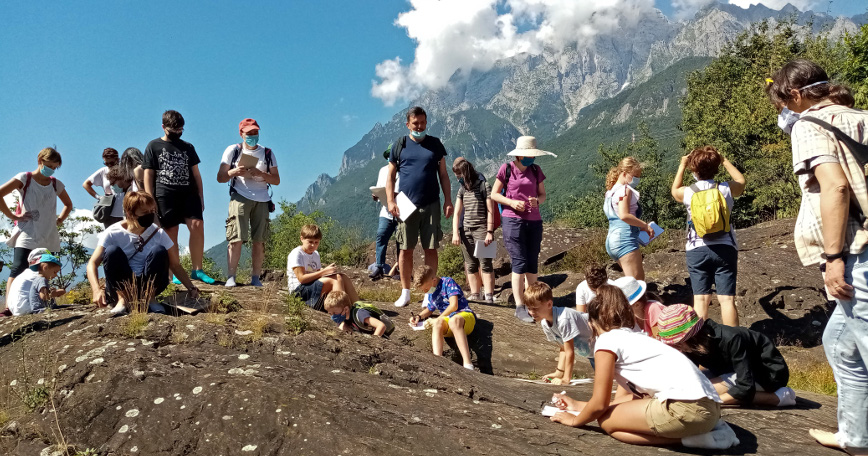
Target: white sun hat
[525,146]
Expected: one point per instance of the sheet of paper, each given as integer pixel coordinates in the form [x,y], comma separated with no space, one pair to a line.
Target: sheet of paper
[548,410]
[482,251]
[419,326]
[380,193]
[247,160]
[643,236]
[406,207]
[573,382]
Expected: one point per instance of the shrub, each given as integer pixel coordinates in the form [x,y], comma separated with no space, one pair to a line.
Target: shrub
[296,318]
[79,294]
[451,263]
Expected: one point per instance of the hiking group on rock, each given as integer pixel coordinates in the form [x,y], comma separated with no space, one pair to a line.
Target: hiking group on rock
[674,367]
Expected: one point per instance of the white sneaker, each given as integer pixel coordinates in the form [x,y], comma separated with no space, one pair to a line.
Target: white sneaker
[230,282]
[119,309]
[468,366]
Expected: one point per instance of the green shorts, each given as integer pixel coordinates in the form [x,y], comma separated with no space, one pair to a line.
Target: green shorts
[246,217]
[424,223]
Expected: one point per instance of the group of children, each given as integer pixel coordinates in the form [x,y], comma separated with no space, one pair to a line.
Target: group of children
[674,369]
[30,292]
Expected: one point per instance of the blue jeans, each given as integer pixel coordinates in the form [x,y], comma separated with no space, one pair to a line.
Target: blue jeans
[385,229]
[845,341]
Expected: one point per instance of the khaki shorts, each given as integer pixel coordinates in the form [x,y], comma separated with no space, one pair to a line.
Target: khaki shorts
[246,217]
[677,419]
[424,223]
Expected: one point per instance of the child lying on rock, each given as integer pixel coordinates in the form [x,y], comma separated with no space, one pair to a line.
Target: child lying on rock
[360,316]
[745,365]
[561,325]
[671,401]
[455,320]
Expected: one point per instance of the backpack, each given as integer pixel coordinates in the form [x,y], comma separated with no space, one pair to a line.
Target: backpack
[102,209]
[375,312]
[237,153]
[534,167]
[709,213]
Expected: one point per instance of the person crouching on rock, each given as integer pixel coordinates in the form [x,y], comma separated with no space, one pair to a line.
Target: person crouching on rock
[563,326]
[136,256]
[308,279]
[669,400]
[362,316]
[456,319]
[745,366]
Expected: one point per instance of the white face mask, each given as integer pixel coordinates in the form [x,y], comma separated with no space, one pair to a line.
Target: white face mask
[786,120]
[696,178]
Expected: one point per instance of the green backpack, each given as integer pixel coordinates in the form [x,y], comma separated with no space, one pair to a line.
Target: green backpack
[375,312]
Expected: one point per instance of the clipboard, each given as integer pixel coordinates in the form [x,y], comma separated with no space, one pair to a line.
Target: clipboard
[643,236]
[380,193]
[406,207]
[481,251]
[248,160]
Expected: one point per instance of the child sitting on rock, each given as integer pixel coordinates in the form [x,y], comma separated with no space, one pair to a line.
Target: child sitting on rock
[307,278]
[362,316]
[595,275]
[30,292]
[561,325]
[745,366]
[671,401]
[645,311]
[455,320]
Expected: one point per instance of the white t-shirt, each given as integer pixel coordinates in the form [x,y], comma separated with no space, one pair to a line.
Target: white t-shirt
[40,201]
[618,192]
[649,367]
[117,236]
[568,324]
[100,179]
[381,182]
[298,257]
[253,188]
[118,206]
[584,295]
[694,241]
[18,297]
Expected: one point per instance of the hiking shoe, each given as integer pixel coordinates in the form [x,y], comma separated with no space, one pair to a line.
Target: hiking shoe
[376,273]
[489,298]
[521,314]
[156,307]
[200,275]
[473,297]
[230,282]
[119,309]
[176,280]
[254,281]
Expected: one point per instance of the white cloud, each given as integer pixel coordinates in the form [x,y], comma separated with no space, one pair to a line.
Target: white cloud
[474,34]
[803,5]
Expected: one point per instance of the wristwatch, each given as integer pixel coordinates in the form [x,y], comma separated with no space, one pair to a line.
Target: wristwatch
[833,257]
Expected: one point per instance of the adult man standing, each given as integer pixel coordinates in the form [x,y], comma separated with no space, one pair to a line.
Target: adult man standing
[172,177]
[248,198]
[419,161]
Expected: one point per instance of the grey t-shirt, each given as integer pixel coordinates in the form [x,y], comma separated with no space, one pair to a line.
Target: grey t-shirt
[37,304]
[568,324]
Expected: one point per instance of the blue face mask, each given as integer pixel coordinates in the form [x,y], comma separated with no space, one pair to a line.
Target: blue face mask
[635,182]
[251,140]
[460,181]
[527,161]
[418,134]
[46,171]
[786,120]
[117,190]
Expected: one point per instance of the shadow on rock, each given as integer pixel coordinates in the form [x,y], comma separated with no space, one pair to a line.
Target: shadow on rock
[553,280]
[36,326]
[805,331]
[481,344]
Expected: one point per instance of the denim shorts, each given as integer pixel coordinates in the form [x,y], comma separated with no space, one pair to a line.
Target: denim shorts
[312,295]
[713,265]
[622,241]
[522,239]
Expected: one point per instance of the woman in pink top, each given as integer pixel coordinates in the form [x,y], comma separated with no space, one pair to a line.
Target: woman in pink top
[521,220]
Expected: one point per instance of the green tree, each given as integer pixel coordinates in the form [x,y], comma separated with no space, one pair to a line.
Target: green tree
[854,67]
[73,253]
[726,107]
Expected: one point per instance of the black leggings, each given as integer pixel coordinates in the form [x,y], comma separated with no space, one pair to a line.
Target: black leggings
[19,261]
[118,272]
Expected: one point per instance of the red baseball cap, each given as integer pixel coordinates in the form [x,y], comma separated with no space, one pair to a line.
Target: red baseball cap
[246,125]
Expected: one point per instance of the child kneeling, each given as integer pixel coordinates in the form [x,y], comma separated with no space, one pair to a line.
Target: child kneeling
[671,401]
[361,316]
[455,320]
[745,365]
[561,325]
[307,278]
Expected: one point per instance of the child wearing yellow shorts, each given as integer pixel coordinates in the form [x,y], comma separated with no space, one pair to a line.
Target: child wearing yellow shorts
[455,319]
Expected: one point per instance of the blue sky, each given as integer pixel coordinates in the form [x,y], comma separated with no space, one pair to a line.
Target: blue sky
[88,75]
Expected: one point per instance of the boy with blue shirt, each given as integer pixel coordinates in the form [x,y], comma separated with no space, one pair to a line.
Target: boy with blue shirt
[563,326]
[456,319]
[418,159]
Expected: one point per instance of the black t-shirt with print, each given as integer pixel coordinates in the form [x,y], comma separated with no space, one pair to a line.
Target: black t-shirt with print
[172,162]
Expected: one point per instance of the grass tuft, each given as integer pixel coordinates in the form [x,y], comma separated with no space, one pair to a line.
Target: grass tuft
[813,376]
[296,318]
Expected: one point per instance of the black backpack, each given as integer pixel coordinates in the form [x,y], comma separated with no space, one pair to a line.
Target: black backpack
[237,153]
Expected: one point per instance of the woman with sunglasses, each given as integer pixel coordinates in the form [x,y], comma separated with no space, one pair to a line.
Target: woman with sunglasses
[136,256]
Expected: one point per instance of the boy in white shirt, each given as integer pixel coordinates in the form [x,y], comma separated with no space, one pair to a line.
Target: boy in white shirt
[308,279]
[561,325]
[595,275]
[30,292]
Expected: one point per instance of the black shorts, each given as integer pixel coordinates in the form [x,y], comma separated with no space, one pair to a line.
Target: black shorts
[174,208]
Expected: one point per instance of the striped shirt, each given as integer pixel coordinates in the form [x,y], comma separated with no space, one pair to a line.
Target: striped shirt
[475,199]
[813,146]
